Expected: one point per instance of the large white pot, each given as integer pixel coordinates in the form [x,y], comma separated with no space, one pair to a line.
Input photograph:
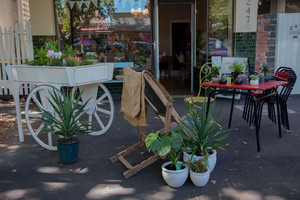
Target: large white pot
[199,179]
[254,82]
[174,178]
[212,159]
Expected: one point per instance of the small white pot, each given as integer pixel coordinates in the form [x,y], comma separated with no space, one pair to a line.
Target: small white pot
[174,178]
[199,179]
[254,82]
[212,159]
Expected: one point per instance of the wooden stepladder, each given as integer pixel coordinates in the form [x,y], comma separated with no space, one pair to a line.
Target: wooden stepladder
[163,108]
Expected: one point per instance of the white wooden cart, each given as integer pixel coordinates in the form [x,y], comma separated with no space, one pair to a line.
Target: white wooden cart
[100,108]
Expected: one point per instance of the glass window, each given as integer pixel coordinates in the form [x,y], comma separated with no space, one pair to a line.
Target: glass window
[110,31]
[220,28]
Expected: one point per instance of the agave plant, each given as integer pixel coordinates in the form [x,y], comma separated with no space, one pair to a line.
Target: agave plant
[68,109]
[201,131]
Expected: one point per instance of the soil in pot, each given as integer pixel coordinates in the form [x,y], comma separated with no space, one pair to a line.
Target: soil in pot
[173,167]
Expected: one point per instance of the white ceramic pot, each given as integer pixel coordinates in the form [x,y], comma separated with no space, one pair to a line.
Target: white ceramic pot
[254,82]
[174,178]
[212,159]
[199,179]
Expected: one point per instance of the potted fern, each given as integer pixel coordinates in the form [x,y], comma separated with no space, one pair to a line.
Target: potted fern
[64,122]
[169,144]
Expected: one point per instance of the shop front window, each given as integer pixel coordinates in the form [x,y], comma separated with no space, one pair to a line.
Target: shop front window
[220,28]
[107,31]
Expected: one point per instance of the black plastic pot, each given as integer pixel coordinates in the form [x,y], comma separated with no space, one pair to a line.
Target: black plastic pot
[67,153]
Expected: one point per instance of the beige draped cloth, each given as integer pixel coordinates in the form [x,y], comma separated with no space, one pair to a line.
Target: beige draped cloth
[133,101]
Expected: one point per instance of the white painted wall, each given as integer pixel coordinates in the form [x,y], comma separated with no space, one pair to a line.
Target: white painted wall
[288,44]
[42,17]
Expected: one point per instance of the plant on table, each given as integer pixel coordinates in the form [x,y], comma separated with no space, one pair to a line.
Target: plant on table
[203,134]
[237,68]
[254,79]
[265,70]
[169,144]
[64,121]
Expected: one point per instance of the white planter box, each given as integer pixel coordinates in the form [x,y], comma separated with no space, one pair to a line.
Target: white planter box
[65,76]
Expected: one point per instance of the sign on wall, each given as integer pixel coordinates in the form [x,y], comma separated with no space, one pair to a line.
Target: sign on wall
[246,15]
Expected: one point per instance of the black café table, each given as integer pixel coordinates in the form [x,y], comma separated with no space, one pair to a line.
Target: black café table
[246,89]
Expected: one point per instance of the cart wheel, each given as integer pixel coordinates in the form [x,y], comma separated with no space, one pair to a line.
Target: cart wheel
[100,108]
[103,113]
[36,101]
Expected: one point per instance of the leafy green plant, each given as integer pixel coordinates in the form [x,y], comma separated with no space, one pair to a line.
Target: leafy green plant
[40,58]
[49,55]
[199,166]
[253,77]
[236,67]
[68,110]
[265,70]
[169,143]
[201,132]
[260,75]
[215,71]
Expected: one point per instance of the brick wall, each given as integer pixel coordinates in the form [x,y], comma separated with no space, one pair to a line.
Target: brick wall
[244,46]
[266,40]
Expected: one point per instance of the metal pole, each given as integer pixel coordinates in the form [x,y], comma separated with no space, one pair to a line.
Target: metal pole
[193,43]
[156,39]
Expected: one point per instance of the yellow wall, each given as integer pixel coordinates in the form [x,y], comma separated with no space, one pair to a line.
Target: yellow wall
[42,17]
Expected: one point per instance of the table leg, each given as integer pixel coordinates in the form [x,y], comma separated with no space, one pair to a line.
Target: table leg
[232,105]
[256,126]
[278,115]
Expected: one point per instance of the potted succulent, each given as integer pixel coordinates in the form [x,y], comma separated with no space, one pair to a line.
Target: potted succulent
[199,171]
[174,172]
[237,69]
[64,122]
[243,77]
[260,78]
[254,79]
[202,137]
[215,74]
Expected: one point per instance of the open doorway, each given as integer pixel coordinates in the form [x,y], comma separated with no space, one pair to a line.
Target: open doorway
[175,47]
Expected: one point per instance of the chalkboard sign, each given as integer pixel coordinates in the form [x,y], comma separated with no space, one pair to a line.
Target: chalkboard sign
[228,61]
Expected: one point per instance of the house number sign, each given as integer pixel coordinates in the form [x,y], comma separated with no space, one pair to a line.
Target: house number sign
[246,15]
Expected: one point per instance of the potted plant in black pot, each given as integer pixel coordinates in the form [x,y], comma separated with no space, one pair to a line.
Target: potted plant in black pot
[237,69]
[203,135]
[169,144]
[64,122]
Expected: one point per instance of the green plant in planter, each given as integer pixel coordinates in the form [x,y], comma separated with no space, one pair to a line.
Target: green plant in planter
[253,77]
[260,75]
[215,71]
[169,143]
[68,110]
[199,166]
[64,121]
[201,132]
[265,70]
[236,67]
